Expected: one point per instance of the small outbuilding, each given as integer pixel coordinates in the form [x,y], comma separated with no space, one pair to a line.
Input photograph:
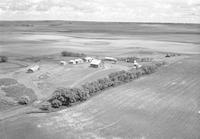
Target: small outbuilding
[72,62]
[110,59]
[63,63]
[88,59]
[79,61]
[96,63]
[136,65]
[33,68]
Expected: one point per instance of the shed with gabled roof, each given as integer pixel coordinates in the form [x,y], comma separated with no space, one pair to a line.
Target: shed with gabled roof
[33,68]
[96,63]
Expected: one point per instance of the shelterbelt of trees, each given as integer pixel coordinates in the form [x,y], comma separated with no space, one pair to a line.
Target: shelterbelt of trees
[72,54]
[133,58]
[69,96]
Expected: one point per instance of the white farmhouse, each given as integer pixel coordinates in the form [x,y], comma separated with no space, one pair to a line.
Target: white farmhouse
[33,68]
[79,61]
[88,59]
[136,65]
[72,62]
[110,59]
[63,63]
[96,63]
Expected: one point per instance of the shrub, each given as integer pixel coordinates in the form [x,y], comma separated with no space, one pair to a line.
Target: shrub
[132,59]
[72,54]
[171,55]
[148,69]
[82,94]
[45,106]
[146,59]
[24,100]
[71,97]
[128,59]
[56,103]
[3,59]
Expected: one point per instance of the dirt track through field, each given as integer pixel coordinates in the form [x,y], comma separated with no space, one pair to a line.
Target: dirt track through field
[163,105]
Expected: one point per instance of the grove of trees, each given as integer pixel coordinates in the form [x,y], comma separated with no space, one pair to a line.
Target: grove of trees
[133,58]
[72,54]
[3,59]
[69,96]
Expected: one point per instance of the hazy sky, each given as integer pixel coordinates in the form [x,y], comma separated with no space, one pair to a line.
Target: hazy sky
[184,11]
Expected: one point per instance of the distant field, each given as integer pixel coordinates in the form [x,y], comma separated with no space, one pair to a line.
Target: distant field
[38,38]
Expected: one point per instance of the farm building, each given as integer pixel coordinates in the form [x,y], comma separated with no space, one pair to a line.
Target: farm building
[96,63]
[110,59]
[63,63]
[136,65]
[78,61]
[33,68]
[72,62]
[88,59]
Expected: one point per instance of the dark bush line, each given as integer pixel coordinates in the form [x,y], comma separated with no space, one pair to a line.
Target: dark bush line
[172,55]
[69,96]
[3,59]
[132,59]
[24,100]
[72,54]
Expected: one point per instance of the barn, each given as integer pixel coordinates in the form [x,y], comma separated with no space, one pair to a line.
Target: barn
[114,60]
[63,63]
[136,65]
[78,61]
[33,68]
[88,59]
[72,62]
[96,63]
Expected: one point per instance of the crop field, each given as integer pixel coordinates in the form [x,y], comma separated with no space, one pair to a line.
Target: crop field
[114,39]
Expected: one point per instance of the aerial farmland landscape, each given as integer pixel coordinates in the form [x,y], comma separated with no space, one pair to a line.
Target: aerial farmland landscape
[164,104]
[97,69]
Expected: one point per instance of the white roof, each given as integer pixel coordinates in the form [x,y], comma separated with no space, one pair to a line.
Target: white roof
[135,63]
[34,67]
[88,58]
[78,59]
[111,58]
[62,61]
[95,62]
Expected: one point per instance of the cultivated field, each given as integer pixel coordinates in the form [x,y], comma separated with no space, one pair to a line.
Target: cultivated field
[116,39]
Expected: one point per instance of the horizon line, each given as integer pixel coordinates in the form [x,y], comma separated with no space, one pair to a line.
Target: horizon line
[140,22]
